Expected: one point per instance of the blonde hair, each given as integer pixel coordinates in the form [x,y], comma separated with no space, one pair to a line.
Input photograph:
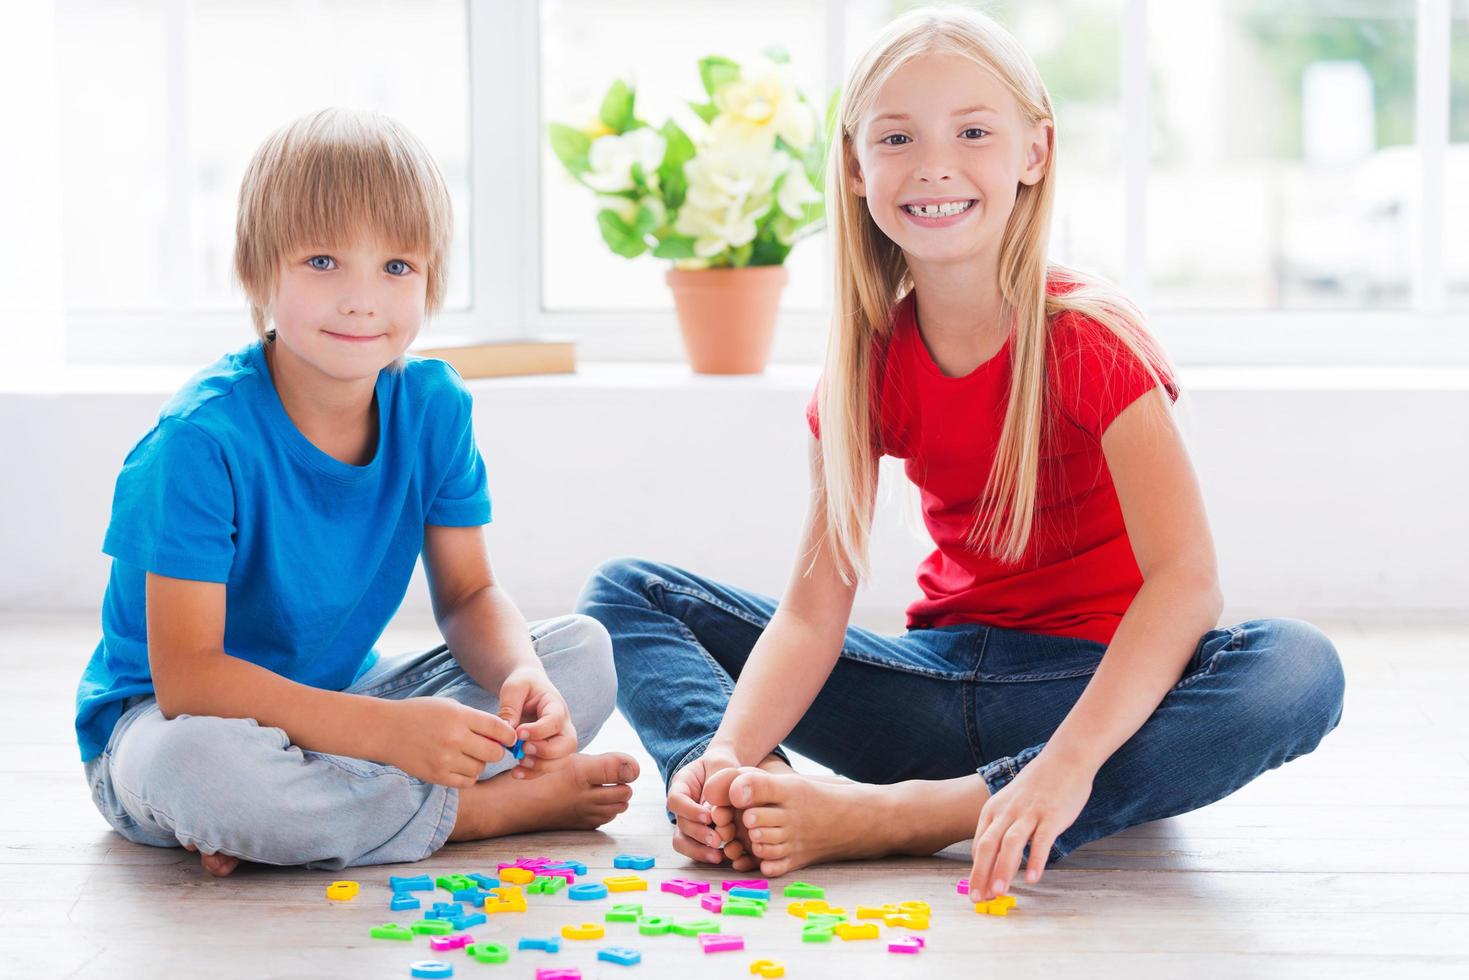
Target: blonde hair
[872,276]
[332,175]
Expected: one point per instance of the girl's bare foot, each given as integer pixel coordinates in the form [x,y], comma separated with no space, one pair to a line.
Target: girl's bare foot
[219,865]
[793,821]
[583,794]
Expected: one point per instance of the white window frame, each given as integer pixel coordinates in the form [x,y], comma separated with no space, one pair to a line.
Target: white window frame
[504,53]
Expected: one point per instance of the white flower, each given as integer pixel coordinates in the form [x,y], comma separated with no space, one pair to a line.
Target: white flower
[612,158]
[731,182]
[764,102]
[796,191]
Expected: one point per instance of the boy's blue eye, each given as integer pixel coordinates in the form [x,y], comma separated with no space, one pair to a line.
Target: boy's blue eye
[895,136]
[322,262]
[397,267]
[974,133]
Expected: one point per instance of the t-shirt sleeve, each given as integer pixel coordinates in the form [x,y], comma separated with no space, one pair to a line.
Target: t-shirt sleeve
[1097,376]
[463,495]
[173,509]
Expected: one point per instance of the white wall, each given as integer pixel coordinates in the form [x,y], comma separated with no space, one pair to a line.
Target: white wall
[1331,491]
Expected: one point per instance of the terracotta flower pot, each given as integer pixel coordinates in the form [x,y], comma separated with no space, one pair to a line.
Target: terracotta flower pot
[727,316]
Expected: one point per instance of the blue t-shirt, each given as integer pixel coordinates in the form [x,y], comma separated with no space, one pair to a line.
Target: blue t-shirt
[315,554]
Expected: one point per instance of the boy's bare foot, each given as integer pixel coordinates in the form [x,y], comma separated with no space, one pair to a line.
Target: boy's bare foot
[583,794]
[793,821]
[219,865]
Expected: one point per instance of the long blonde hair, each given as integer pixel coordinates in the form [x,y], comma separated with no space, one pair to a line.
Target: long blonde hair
[872,276]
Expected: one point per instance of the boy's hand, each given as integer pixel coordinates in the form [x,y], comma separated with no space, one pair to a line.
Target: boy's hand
[536,712]
[697,833]
[442,741]
[1035,808]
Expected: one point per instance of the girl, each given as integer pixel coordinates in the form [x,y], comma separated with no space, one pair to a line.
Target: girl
[263,534]
[1061,677]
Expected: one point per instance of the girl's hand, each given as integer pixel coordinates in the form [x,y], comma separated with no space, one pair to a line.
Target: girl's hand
[442,741]
[537,713]
[1035,808]
[696,834]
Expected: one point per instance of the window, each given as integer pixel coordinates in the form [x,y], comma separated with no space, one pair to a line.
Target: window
[1274,180]
[1283,173]
[162,104]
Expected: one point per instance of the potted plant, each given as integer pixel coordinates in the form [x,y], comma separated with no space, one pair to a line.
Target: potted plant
[725,202]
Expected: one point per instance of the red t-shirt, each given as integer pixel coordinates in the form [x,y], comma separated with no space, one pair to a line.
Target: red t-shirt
[1078,574]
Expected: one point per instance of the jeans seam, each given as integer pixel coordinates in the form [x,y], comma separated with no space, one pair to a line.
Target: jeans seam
[845,652]
[411,680]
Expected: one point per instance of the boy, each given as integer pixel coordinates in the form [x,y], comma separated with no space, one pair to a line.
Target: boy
[263,534]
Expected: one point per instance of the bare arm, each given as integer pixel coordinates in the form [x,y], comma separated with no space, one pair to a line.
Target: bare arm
[491,640]
[798,649]
[1179,601]
[192,674]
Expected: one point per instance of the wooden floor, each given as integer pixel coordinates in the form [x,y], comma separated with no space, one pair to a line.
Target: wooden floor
[1351,862]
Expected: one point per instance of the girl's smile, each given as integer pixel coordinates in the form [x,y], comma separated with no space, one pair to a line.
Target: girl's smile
[938,212]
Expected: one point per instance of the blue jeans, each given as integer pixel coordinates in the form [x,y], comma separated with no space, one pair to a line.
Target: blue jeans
[232,786]
[971,698]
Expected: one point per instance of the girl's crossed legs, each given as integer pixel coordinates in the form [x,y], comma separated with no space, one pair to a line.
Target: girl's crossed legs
[929,724]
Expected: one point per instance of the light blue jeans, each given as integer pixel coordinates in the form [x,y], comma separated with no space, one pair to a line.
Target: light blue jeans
[232,786]
[951,701]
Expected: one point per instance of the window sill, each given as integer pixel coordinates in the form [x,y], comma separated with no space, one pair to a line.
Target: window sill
[87,379]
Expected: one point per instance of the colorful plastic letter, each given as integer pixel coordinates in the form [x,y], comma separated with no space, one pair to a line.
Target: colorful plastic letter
[569,973]
[853,930]
[587,930]
[552,945]
[518,876]
[440,944]
[342,891]
[712,903]
[586,892]
[817,932]
[877,911]
[417,883]
[488,952]
[908,944]
[744,906]
[431,968]
[453,883]
[729,883]
[620,955]
[403,901]
[431,927]
[484,881]
[625,883]
[633,862]
[654,925]
[696,927]
[768,968]
[714,943]
[628,912]
[391,930]
[962,886]
[761,894]
[799,889]
[682,887]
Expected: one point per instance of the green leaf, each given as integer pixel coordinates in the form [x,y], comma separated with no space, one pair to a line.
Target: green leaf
[572,147]
[619,235]
[645,224]
[679,151]
[769,250]
[778,54]
[741,256]
[617,107]
[716,72]
[675,247]
[704,110]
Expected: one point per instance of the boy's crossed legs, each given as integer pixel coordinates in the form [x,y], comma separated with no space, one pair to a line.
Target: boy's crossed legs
[232,790]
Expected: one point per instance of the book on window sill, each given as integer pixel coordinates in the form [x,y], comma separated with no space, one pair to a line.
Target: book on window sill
[502,358]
